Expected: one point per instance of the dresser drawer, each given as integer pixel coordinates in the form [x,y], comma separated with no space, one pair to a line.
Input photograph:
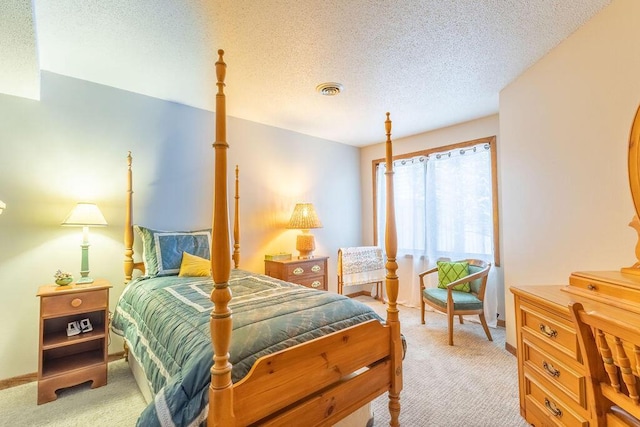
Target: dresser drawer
[550,406]
[316,282]
[305,269]
[73,303]
[553,330]
[539,363]
[599,289]
[537,418]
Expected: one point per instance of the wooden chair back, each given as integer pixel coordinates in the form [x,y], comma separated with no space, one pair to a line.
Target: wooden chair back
[611,353]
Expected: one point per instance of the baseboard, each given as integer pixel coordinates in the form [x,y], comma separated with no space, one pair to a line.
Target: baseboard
[502,323]
[28,378]
[116,356]
[363,293]
[19,380]
[359,293]
[511,349]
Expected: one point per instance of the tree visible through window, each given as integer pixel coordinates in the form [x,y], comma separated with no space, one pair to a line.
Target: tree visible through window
[445,200]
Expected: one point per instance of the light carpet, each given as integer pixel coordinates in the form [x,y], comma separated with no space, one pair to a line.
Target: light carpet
[119,403]
[472,384]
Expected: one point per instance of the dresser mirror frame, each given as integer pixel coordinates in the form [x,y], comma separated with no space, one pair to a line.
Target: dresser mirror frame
[634,184]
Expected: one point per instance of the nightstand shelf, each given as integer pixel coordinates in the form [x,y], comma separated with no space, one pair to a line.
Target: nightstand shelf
[65,361]
[310,272]
[60,339]
[63,365]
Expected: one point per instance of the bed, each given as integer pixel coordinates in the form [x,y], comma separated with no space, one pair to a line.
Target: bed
[289,355]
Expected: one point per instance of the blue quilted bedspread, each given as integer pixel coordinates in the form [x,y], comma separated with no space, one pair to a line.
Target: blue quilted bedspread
[165,322]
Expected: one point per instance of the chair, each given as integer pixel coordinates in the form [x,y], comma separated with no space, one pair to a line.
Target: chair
[611,353]
[458,303]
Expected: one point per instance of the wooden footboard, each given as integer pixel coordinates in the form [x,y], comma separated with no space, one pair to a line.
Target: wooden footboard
[322,380]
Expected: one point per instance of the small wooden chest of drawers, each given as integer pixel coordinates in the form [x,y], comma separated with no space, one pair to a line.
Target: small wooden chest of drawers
[551,372]
[311,272]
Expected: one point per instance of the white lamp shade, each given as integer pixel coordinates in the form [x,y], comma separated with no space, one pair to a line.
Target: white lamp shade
[85,214]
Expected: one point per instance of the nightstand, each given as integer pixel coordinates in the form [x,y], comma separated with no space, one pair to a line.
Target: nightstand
[311,272]
[65,361]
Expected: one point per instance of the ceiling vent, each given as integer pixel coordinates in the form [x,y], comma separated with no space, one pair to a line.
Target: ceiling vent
[329,89]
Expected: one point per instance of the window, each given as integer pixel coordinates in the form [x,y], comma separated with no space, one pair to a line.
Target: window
[445,200]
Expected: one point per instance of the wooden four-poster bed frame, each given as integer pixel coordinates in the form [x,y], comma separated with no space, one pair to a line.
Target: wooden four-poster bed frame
[316,383]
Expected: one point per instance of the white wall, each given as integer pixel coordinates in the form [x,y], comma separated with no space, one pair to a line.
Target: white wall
[72,146]
[564,130]
[487,126]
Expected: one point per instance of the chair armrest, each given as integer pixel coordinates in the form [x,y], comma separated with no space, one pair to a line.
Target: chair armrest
[469,278]
[424,273]
[431,270]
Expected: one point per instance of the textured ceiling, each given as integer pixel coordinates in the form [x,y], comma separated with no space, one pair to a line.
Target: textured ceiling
[19,71]
[431,63]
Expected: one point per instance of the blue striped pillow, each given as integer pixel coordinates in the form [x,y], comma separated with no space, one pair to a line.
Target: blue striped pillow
[162,250]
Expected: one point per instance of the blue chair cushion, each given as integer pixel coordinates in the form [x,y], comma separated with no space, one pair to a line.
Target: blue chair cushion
[461,300]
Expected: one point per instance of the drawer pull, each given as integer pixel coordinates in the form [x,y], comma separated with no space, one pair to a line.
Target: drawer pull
[551,333]
[316,284]
[77,302]
[298,271]
[551,370]
[316,268]
[557,412]
[592,287]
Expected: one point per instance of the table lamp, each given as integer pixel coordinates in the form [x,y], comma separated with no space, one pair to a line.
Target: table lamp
[85,215]
[304,218]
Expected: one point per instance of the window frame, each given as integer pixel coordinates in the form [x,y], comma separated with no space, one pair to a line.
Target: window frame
[492,141]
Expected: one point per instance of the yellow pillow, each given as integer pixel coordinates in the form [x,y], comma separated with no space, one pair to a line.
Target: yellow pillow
[194,266]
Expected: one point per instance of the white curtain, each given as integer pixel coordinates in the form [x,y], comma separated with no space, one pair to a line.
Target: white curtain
[444,209]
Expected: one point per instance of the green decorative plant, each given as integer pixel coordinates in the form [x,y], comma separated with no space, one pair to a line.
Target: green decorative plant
[63,278]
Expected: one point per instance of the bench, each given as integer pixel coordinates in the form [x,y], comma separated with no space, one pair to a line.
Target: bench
[361,265]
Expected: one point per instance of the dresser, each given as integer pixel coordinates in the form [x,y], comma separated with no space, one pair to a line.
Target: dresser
[311,272]
[551,373]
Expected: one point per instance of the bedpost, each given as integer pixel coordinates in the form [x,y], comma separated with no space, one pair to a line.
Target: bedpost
[393,320]
[236,226]
[221,388]
[128,226]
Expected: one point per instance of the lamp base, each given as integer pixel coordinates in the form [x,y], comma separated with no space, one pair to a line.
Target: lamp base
[305,244]
[84,262]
